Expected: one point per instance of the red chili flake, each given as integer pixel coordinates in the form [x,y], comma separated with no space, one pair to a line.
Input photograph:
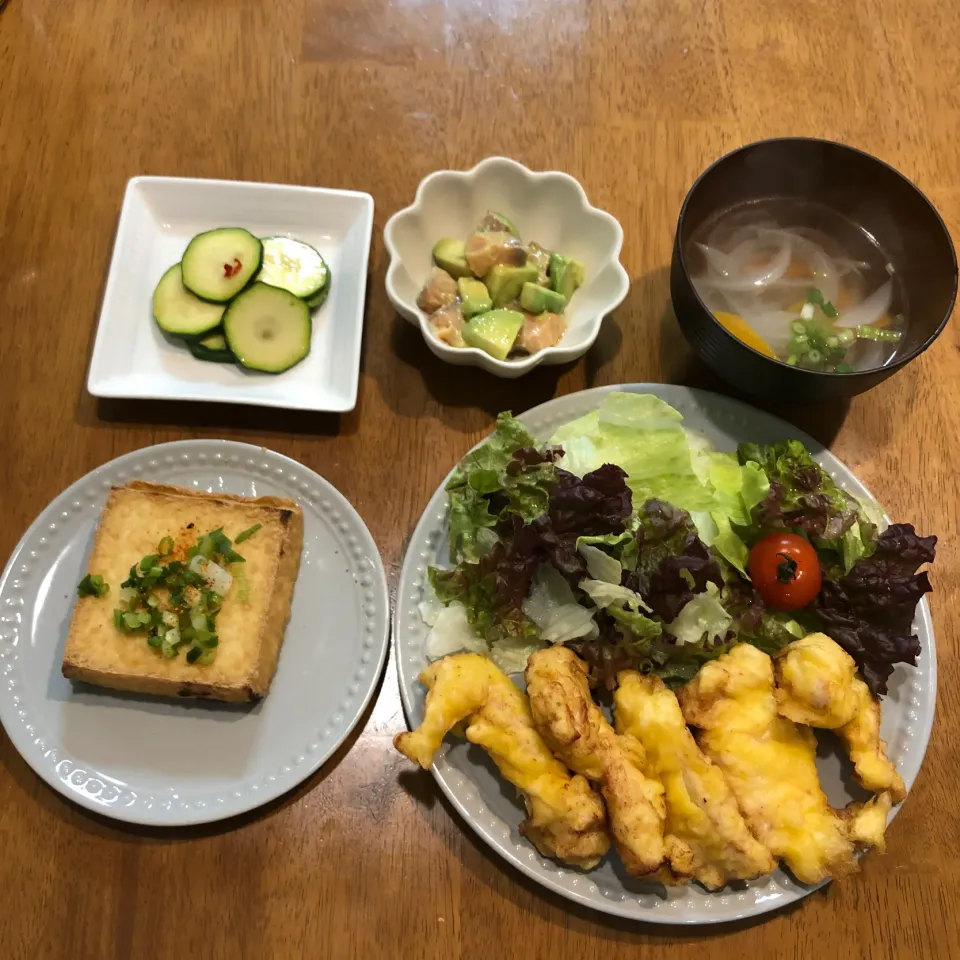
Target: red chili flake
[229,269]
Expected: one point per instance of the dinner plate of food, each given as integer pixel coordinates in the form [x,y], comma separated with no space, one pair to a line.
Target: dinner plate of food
[665,654]
[189,631]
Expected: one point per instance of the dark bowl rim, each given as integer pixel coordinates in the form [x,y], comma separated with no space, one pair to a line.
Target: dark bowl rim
[813,374]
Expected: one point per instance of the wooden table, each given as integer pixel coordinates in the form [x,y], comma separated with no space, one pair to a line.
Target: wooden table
[365,860]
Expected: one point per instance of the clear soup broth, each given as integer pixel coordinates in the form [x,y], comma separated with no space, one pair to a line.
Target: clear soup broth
[799,282]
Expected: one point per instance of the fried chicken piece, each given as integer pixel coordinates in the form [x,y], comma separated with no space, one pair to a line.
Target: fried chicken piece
[577,732]
[817,684]
[701,810]
[769,763]
[566,819]
[866,823]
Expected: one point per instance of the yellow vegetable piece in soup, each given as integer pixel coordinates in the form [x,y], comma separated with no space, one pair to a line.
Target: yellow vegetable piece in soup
[744,332]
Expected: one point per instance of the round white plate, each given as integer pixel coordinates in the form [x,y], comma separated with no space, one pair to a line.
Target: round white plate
[472,783]
[164,763]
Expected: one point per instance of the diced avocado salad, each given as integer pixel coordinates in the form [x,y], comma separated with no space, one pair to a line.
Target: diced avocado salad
[237,298]
[173,597]
[497,293]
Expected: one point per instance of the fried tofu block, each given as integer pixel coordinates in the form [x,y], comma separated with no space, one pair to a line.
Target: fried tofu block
[251,629]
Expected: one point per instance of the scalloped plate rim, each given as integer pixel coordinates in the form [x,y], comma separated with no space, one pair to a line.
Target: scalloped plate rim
[473,356]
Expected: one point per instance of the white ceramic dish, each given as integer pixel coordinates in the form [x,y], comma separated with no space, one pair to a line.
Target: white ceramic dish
[132,359]
[548,207]
[471,782]
[169,763]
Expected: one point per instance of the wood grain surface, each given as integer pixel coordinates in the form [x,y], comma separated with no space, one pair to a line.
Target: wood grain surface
[633,99]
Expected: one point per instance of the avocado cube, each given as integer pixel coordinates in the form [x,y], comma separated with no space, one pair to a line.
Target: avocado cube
[474,297]
[505,282]
[537,299]
[566,274]
[495,222]
[448,254]
[494,332]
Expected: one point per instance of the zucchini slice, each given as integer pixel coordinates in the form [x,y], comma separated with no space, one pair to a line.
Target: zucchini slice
[294,266]
[267,328]
[178,312]
[212,348]
[318,298]
[218,264]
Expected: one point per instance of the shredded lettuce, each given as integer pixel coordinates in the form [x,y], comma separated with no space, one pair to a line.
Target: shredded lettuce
[511,655]
[605,594]
[702,619]
[600,565]
[623,547]
[624,606]
[452,633]
[554,609]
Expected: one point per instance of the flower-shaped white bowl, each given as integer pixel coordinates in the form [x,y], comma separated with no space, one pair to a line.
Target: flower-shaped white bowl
[548,207]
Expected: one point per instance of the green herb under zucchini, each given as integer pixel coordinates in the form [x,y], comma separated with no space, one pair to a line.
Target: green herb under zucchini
[174,604]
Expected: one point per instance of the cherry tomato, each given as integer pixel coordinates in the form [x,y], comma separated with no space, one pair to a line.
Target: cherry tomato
[785,570]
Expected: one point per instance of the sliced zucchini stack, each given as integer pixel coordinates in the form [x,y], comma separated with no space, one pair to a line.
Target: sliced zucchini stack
[178,312]
[234,298]
[218,264]
[212,348]
[268,329]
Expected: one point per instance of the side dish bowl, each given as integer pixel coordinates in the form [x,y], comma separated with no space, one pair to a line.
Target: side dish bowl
[874,197]
[549,207]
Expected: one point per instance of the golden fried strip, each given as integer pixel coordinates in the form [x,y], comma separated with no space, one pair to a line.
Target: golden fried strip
[769,763]
[576,730]
[566,818]
[817,684]
[701,810]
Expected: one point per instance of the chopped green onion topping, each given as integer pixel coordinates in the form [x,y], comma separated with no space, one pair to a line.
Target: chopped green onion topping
[815,297]
[878,334]
[92,585]
[184,611]
[248,533]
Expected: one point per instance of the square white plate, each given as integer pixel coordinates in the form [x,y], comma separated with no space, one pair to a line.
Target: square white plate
[132,359]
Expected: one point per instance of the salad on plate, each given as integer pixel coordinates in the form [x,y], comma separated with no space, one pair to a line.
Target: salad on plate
[633,541]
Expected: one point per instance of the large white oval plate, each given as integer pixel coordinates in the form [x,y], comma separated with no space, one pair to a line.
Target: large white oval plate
[470,780]
[163,763]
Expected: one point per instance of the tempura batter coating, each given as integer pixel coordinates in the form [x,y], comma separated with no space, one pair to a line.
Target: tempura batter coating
[769,763]
[566,818]
[817,684]
[701,810]
[576,730]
